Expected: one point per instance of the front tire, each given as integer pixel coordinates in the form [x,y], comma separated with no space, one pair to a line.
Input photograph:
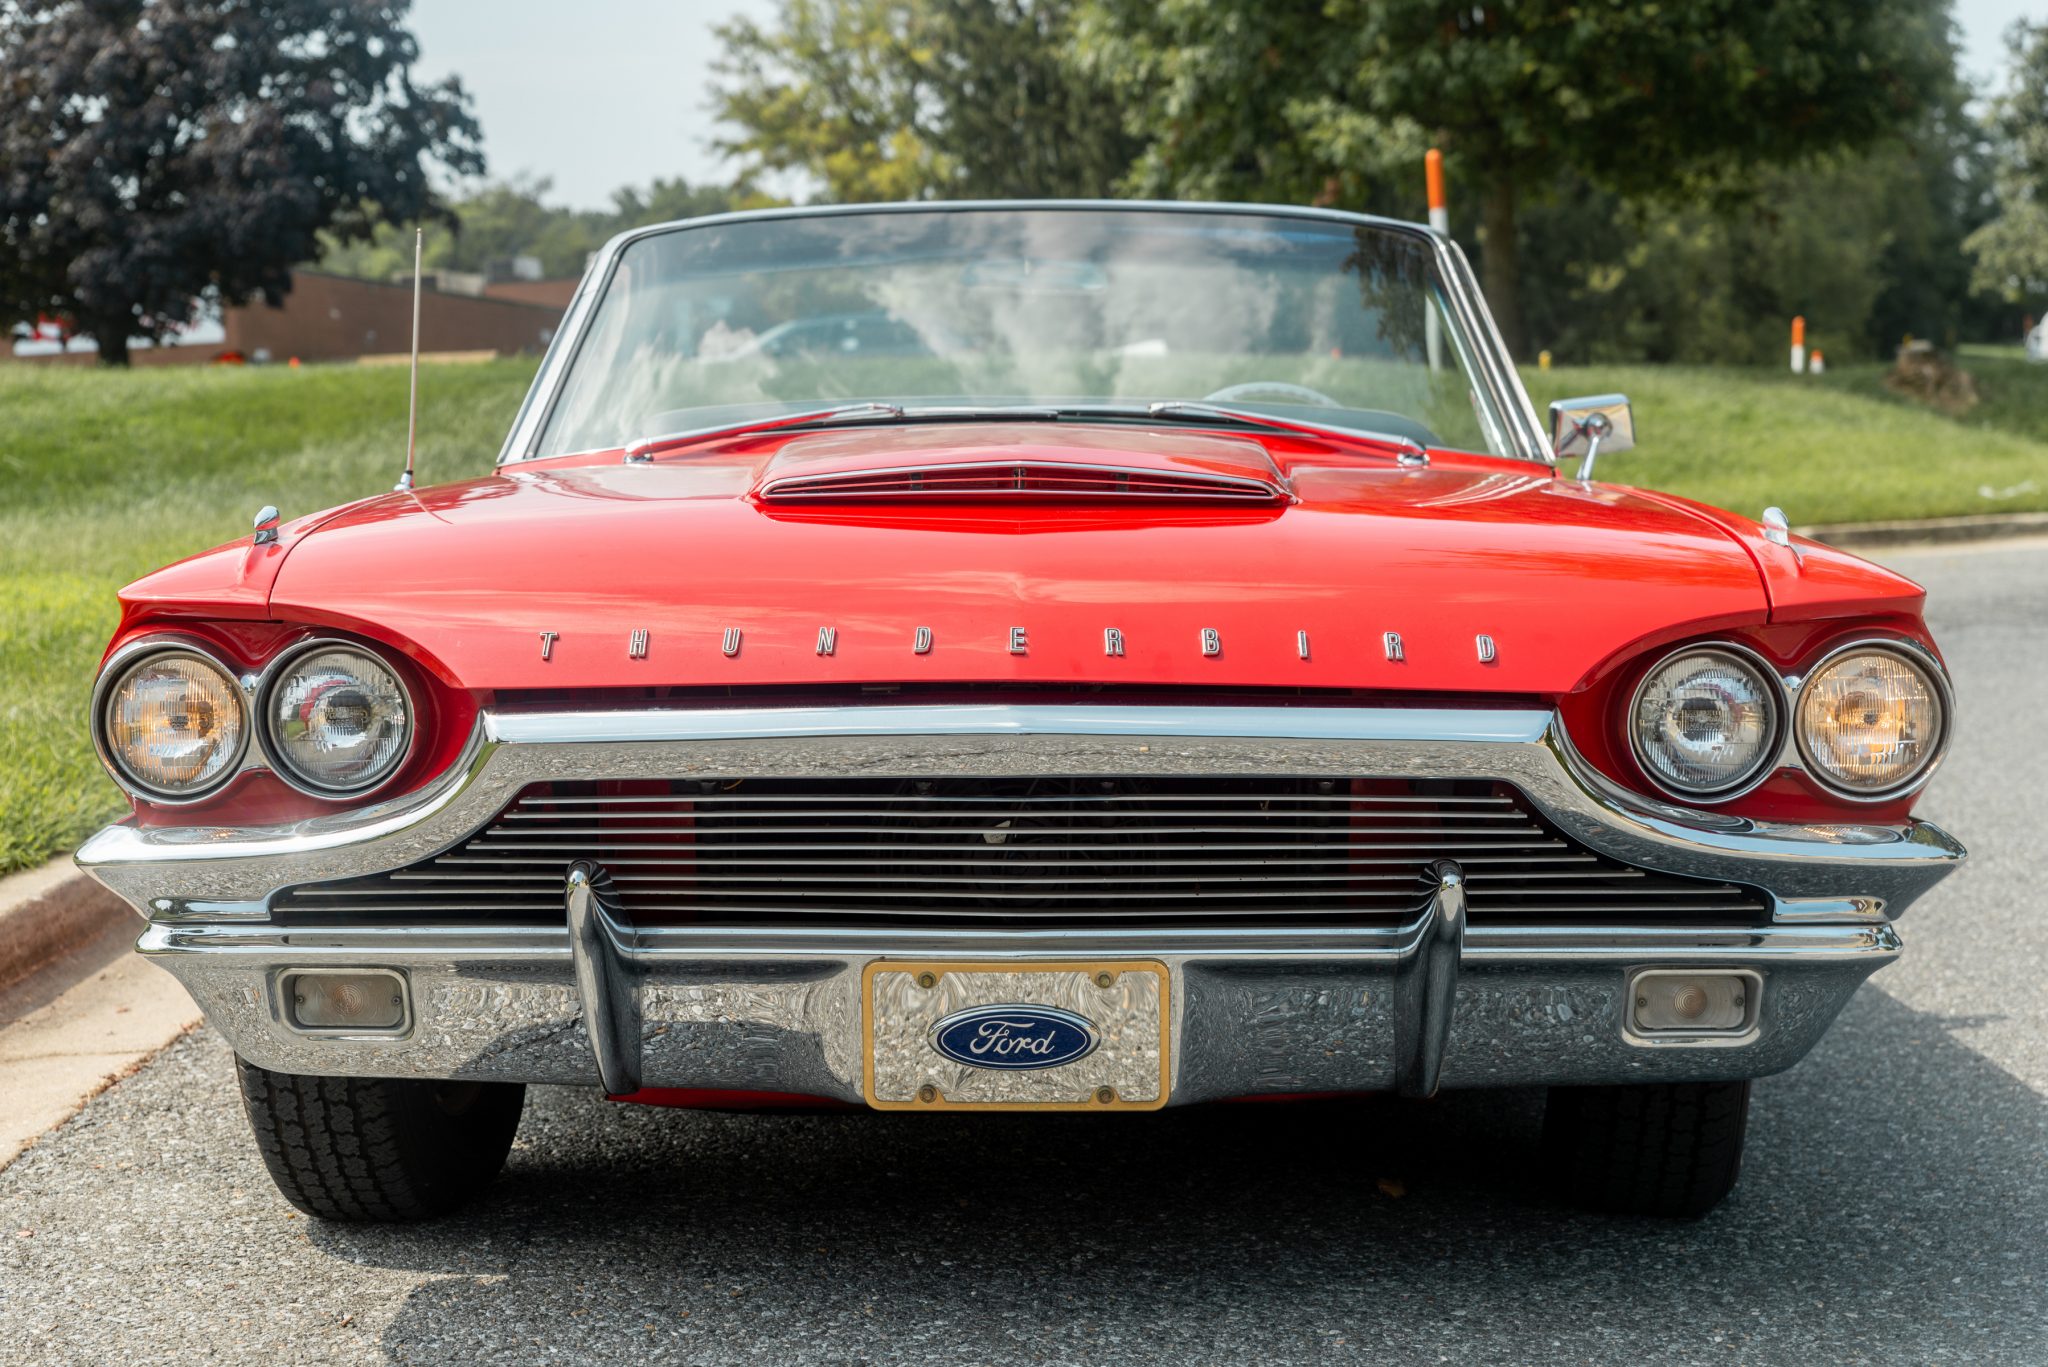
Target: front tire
[1670,1149]
[379,1149]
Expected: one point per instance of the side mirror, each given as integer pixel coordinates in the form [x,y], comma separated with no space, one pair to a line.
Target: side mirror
[1589,427]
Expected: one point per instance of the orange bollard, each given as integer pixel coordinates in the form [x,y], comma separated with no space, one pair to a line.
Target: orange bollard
[1439,219]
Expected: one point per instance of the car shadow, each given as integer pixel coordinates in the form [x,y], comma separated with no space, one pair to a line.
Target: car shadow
[1893,1208]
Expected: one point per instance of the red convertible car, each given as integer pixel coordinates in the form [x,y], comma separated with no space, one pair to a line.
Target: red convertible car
[1063,657]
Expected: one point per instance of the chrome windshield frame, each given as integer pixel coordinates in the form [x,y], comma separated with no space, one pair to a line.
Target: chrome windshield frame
[1495,369]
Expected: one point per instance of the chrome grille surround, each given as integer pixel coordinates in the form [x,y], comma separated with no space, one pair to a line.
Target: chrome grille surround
[1844,871]
[1281,1004]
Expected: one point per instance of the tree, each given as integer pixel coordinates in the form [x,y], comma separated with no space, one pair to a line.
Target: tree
[1868,246]
[2011,250]
[1249,99]
[498,220]
[152,151]
[917,99]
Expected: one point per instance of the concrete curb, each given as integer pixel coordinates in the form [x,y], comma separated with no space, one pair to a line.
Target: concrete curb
[45,911]
[1854,536]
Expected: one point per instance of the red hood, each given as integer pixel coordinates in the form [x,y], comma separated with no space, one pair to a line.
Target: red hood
[1560,576]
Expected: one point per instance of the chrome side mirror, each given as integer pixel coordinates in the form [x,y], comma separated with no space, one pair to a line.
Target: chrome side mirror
[1591,426]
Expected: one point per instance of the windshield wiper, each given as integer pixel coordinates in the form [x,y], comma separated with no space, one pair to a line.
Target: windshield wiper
[645,447]
[1412,452]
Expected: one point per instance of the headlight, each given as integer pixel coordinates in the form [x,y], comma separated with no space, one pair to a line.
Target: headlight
[338,720]
[1870,721]
[172,725]
[1705,721]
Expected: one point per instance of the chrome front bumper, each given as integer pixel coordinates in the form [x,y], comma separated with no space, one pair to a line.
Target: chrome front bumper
[1256,1010]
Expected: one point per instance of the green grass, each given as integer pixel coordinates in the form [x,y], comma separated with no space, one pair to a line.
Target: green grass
[104,477]
[1837,448]
[2012,391]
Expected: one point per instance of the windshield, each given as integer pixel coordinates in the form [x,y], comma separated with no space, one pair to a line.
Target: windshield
[1325,322]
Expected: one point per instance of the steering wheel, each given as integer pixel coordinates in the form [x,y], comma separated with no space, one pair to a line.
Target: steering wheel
[1280,390]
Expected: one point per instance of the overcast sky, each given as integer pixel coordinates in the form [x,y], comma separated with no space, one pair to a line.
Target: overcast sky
[605,93]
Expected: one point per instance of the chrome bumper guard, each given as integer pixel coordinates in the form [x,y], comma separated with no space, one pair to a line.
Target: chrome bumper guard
[1257,1010]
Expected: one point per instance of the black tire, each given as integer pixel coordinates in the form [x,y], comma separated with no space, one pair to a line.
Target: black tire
[1669,1149]
[376,1149]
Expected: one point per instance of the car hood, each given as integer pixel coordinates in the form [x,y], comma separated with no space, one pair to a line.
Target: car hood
[1442,579]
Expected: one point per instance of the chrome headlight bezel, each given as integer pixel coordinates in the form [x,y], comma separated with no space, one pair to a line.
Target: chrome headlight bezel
[1922,662]
[1768,754]
[122,664]
[279,668]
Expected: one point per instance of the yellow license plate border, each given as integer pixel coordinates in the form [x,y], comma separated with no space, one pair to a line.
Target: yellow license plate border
[945,1103]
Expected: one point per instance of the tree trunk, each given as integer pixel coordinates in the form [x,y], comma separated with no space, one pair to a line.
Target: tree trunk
[113,344]
[1499,268]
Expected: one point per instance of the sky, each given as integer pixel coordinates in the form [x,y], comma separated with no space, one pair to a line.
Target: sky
[592,95]
[607,93]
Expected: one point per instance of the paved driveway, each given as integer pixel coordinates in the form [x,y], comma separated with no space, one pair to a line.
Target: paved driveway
[1894,1208]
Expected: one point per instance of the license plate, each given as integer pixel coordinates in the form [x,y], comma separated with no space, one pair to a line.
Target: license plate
[1016,1036]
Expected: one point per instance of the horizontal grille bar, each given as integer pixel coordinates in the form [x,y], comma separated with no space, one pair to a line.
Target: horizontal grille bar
[1086,850]
[624,869]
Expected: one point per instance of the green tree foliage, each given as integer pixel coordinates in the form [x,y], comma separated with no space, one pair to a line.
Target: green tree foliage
[152,151]
[2012,249]
[1867,246]
[917,99]
[1305,102]
[495,222]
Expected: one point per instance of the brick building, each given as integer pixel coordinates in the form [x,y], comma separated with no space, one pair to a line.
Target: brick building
[337,317]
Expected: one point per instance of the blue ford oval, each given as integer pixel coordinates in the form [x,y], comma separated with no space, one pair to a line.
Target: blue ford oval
[1014,1036]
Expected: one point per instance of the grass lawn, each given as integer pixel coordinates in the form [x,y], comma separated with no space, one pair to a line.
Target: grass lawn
[107,476]
[2012,391]
[1837,448]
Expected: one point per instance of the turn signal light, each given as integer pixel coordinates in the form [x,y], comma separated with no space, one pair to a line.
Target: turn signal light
[352,1000]
[1685,1002]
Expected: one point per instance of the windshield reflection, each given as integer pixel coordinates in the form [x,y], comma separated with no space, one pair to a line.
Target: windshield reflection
[1324,321]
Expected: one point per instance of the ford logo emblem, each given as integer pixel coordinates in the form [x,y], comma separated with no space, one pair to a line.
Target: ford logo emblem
[1014,1037]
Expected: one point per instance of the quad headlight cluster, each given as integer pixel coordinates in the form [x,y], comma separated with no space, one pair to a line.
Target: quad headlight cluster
[328,717]
[1868,721]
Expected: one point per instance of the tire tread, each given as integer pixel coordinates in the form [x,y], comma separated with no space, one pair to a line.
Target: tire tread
[376,1149]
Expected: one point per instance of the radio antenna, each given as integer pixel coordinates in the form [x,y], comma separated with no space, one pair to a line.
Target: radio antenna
[412,403]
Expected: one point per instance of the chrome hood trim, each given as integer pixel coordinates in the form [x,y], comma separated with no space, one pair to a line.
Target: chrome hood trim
[220,872]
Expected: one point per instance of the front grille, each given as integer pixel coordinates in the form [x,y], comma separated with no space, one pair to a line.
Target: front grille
[1025,851]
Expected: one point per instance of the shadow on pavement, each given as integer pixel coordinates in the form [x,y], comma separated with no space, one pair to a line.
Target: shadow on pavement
[1895,1207]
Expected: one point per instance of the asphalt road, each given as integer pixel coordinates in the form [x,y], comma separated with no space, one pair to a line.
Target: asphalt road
[1894,1207]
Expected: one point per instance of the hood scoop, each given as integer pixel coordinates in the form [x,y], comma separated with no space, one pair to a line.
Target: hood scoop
[1022,463]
